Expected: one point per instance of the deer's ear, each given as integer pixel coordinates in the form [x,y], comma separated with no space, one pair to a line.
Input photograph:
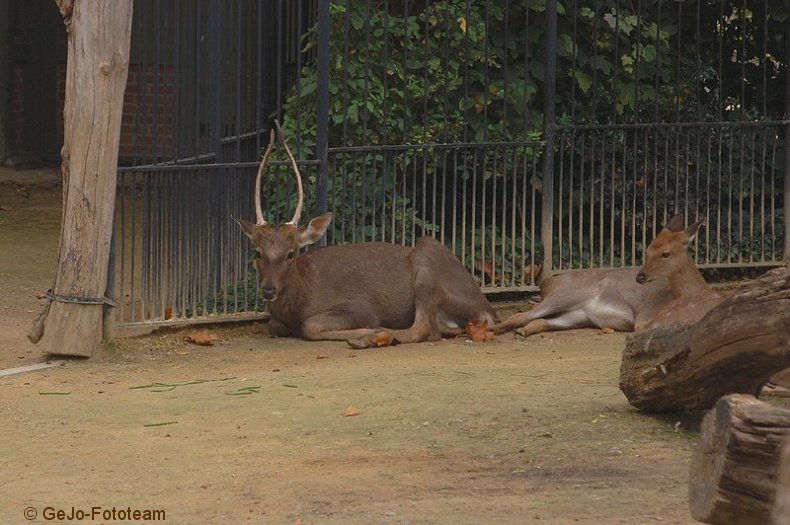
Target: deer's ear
[675,224]
[314,230]
[247,227]
[692,230]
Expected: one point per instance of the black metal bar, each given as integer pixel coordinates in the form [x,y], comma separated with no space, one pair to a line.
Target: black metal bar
[665,125]
[322,109]
[108,313]
[426,146]
[549,127]
[215,76]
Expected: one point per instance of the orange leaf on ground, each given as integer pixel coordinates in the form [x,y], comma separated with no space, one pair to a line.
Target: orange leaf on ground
[351,411]
[202,338]
[321,356]
[168,313]
[477,330]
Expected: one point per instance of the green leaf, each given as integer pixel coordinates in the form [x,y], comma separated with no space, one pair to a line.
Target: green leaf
[648,53]
[353,114]
[308,88]
[583,80]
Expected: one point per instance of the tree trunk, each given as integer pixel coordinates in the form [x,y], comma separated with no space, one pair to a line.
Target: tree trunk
[781,509]
[734,468]
[99,34]
[735,348]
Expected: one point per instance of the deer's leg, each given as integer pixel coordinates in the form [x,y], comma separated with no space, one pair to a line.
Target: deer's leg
[340,326]
[427,298]
[278,329]
[548,306]
[514,321]
[565,321]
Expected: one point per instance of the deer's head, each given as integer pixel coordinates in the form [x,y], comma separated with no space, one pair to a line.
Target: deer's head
[277,247]
[668,253]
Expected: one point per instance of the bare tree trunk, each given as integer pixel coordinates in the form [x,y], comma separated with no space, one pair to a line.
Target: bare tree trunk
[734,468]
[736,348]
[99,35]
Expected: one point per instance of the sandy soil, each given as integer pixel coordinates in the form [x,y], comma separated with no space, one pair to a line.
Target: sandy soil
[252,429]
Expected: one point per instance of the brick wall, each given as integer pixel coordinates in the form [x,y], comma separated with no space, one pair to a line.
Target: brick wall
[143,134]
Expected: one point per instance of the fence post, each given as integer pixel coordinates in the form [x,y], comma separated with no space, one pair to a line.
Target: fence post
[549,86]
[322,109]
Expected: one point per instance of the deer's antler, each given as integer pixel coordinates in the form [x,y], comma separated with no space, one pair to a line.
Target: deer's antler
[300,191]
[259,220]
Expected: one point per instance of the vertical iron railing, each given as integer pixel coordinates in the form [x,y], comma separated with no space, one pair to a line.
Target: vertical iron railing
[438,118]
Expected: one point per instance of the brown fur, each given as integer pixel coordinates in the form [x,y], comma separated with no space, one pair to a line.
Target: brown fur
[354,292]
[666,289]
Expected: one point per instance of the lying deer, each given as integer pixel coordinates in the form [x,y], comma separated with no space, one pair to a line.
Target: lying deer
[359,292]
[667,258]
[668,288]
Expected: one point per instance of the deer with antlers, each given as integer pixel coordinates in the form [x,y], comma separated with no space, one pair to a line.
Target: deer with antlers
[667,289]
[368,294]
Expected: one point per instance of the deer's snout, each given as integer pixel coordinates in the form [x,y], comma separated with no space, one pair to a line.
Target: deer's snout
[641,278]
[269,293]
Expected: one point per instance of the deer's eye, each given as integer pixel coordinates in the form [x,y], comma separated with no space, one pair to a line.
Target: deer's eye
[290,256]
[664,255]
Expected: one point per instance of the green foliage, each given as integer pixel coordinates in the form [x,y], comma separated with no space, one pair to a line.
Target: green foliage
[436,75]
[468,71]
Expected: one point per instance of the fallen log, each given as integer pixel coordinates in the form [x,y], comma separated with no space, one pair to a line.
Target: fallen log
[735,348]
[734,467]
[781,509]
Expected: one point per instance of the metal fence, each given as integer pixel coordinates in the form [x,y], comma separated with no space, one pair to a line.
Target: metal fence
[527,136]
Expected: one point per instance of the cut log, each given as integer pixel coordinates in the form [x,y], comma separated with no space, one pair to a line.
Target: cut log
[734,467]
[99,34]
[782,379]
[735,348]
[781,509]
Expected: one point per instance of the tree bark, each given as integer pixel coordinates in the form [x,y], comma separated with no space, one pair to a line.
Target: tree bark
[780,515]
[734,467]
[735,348]
[99,35]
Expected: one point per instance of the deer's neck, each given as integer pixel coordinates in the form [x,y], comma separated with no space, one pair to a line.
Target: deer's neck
[688,281]
[289,305]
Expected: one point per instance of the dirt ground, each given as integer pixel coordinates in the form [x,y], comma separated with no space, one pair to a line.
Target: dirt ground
[252,429]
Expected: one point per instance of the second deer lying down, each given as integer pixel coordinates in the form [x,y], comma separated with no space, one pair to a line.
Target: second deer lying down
[667,289]
[361,293]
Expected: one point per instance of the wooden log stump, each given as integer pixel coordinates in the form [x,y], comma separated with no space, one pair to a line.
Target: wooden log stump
[734,467]
[780,514]
[735,348]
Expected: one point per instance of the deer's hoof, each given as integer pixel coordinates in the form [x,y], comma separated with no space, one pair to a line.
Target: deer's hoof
[376,340]
[360,342]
